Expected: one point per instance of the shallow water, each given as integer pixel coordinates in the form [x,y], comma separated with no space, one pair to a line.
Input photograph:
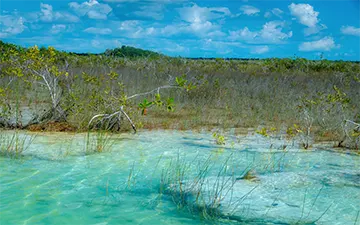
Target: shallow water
[57,183]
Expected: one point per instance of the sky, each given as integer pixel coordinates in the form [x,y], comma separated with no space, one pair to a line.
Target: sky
[213,28]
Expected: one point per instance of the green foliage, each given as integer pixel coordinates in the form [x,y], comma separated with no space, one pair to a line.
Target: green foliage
[218,92]
[263,132]
[130,52]
[158,101]
[293,131]
[219,139]
[170,104]
[144,105]
[182,82]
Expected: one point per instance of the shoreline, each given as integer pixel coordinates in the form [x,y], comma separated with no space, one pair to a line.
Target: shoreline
[325,145]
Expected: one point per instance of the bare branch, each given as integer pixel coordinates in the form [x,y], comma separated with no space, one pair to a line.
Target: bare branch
[110,116]
[352,122]
[96,116]
[154,90]
[132,124]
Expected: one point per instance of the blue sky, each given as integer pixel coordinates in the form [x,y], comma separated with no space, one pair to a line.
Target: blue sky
[236,28]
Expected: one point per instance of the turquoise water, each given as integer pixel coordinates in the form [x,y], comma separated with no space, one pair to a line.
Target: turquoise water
[57,183]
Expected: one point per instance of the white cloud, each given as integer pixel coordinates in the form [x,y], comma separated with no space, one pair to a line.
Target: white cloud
[153,10]
[177,48]
[267,14]
[48,15]
[277,12]
[120,1]
[94,30]
[199,20]
[260,49]
[350,30]
[173,29]
[314,30]
[218,47]
[216,33]
[46,12]
[196,21]
[58,28]
[11,25]
[196,14]
[271,32]
[93,9]
[201,27]
[305,14]
[129,24]
[249,10]
[134,29]
[92,14]
[324,44]
[205,29]
[157,1]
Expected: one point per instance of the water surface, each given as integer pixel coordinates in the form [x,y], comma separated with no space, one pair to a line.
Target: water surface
[57,183]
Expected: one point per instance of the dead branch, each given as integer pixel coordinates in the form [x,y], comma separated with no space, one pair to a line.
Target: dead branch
[357,125]
[115,118]
[157,90]
[108,118]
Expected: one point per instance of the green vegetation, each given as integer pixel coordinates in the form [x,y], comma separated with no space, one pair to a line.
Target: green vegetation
[219,139]
[131,52]
[112,90]
[98,142]
[13,145]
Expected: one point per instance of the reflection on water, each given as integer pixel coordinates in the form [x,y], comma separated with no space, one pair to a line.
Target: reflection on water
[57,183]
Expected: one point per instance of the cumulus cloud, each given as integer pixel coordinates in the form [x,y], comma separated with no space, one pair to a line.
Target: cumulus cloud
[199,20]
[195,21]
[271,32]
[249,10]
[93,9]
[260,49]
[324,44]
[196,14]
[94,30]
[11,25]
[305,14]
[350,30]
[134,29]
[47,14]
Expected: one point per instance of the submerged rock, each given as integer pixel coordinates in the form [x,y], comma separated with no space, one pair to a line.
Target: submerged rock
[249,175]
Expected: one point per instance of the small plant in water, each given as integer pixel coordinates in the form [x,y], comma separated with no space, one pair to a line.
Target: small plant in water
[13,145]
[219,139]
[249,175]
[263,132]
[98,142]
